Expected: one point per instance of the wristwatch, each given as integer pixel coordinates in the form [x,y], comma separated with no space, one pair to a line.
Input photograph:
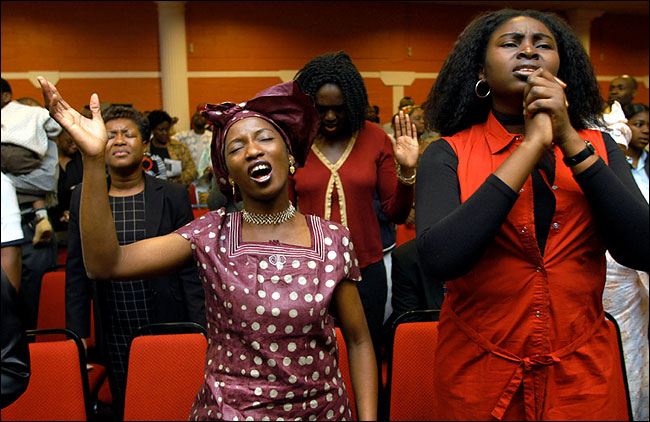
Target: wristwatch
[581,156]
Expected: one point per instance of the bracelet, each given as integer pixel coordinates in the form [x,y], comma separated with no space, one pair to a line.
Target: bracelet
[406,180]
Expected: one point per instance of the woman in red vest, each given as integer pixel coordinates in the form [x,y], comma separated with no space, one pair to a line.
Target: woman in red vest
[516,205]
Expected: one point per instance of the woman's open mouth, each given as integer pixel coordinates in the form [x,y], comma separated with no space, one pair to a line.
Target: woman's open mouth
[260,172]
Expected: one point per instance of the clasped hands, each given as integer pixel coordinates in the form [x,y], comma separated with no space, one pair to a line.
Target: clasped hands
[545,109]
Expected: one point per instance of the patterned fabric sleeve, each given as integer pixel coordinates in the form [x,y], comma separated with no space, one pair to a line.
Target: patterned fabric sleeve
[347,265]
[180,151]
[193,229]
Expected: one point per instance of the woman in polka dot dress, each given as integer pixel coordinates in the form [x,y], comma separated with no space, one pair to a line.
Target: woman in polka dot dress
[270,273]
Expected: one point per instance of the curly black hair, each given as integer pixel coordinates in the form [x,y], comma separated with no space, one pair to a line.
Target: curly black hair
[123,112]
[337,68]
[452,105]
[156,117]
[5,86]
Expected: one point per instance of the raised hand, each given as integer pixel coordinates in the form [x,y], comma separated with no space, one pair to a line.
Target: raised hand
[544,93]
[405,142]
[89,134]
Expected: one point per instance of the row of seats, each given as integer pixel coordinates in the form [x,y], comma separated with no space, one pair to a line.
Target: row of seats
[61,373]
[166,366]
[166,371]
[51,315]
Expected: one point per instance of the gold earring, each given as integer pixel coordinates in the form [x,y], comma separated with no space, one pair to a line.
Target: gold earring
[292,169]
[232,183]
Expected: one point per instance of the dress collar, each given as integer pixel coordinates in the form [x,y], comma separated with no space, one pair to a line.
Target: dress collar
[497,136]
[640,164]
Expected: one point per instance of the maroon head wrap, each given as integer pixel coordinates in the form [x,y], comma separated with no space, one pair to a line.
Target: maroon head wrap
[291,111]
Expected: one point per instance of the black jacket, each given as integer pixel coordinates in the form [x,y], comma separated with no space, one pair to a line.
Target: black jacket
[15,350]
[412,289]
[178,297]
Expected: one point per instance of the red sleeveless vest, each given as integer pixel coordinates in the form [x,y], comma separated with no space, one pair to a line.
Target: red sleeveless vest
[523,336]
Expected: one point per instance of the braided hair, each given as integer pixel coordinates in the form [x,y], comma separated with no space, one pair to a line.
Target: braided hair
[452,105]
[337,68]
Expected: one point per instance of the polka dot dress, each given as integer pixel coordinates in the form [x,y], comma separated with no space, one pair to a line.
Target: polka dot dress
[272,351]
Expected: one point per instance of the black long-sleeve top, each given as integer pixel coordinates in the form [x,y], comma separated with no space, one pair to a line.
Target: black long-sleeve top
[452,237]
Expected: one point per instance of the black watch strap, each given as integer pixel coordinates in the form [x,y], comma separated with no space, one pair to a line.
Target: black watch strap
[581,156]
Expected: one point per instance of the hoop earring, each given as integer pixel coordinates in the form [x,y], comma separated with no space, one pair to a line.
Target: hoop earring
[476,89]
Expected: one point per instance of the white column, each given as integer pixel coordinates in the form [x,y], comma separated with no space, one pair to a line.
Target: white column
[398,94]
[398,80]
[580,21]
[173,61]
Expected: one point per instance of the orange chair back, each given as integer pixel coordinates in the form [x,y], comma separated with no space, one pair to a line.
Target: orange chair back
[165,374]
[51,305]
[56,389]
[192,194]
[404,233]
[344,367]
[411,383]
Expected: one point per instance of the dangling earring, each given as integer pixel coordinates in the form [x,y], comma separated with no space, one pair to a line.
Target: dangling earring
[476,89]
[292,169]
[232,183]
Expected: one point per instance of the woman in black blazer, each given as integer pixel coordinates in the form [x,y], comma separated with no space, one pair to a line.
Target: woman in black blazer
[142,207]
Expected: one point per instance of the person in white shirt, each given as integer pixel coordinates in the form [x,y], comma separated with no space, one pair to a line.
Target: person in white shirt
[12,233]
[637,150]
[625,295]
[27,128]
[30,161]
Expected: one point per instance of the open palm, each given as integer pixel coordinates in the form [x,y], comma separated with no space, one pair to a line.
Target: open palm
[405,142]
[89,134]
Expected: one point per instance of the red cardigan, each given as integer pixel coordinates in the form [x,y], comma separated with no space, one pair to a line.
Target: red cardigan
[343,192]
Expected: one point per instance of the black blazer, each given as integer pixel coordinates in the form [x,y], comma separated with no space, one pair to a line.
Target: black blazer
[177,297]
[412,289]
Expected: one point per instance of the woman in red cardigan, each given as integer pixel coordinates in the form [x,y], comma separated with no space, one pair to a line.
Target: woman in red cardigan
[350,159]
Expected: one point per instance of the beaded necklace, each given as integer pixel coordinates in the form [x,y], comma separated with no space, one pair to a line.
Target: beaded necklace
[269,219]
